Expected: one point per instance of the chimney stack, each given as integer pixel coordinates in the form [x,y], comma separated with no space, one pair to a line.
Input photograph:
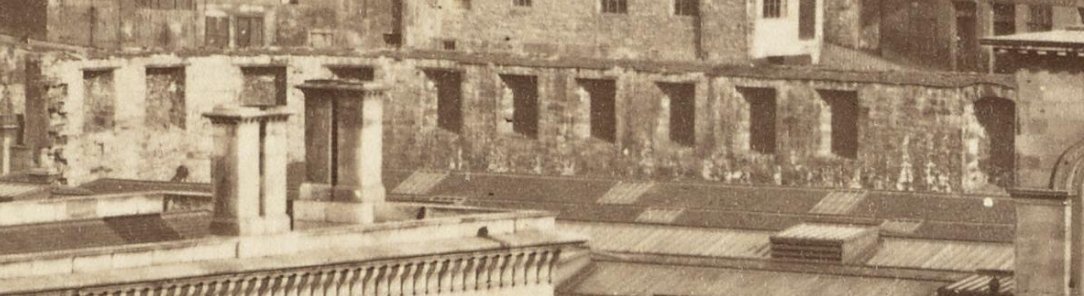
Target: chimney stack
[344,148]
[1043,244]
[249,171]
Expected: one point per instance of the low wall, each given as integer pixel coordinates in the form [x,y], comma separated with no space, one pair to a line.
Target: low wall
[297,242]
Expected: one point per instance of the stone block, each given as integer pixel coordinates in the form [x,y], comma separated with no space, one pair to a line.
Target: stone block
[349,212]
[50,266]
[92,263]
[132,259]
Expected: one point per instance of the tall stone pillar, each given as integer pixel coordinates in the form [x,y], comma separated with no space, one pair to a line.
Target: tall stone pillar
[249,171]
[1042,242]
[8,131]
[344,148]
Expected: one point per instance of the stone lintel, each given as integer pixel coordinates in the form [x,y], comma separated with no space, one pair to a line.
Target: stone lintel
[332,85]
[237,114]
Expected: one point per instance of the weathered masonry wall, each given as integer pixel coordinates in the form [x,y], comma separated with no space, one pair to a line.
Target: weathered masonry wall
[216,24]
[20,80]
[632,121]
[933,34]
[649,29]
[1050,89]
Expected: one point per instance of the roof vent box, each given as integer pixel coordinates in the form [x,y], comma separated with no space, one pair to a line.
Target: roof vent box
[825,242]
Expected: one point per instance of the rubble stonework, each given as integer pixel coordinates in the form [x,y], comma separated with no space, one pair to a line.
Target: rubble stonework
[912,135]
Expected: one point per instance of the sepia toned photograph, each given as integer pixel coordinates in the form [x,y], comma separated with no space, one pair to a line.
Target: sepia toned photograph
[542,147]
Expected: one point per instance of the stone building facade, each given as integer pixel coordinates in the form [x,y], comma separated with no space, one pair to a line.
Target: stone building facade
[736,125]
[942,34]
[727,31]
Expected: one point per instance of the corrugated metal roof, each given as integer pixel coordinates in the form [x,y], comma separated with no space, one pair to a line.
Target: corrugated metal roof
[419,182]
[729,243]
[822,232]
[672,240]
[926,254]
[625,192]
[653,215]
[979,284]
[838,202]
[614,278]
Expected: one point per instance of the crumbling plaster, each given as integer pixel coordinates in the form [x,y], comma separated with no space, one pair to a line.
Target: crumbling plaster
[911,137]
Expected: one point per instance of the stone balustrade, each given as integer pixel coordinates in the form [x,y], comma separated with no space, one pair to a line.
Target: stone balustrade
[522,271]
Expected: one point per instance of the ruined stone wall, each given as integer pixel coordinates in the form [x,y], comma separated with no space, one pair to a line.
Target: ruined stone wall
[911,137]
[18,80]
[650,29]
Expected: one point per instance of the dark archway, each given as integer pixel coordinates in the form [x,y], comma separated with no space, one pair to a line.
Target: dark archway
[997,116]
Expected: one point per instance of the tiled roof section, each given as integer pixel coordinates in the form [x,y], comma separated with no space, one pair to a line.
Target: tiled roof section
[617,278]
[102,232]
[653,215]
[110,186]
[714,205]
[728,243]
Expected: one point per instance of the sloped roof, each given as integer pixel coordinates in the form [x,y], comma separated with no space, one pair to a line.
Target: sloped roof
[1069,38]
[714,205]
[102,232]
[750,244]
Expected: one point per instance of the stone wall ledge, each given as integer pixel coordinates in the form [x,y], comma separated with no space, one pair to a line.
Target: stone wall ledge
[69,262]
[541,244]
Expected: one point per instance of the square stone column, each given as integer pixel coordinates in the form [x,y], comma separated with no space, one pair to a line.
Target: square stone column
[9,129]
[344,148]
[249,171]
[1042,244]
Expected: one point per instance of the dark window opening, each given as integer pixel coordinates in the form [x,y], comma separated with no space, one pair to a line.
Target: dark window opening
[165,98]
[807,19]
[20,134]
[355,73]
[967,42]
[449,98]
[1004,18]
[603,93]
[525,3]
[773,8]
[687,7]
[615,6]
[998,118]
[448,44]
[218,32]
[249,31]
[524,103]
[1080,12]
[264,86]
[682,111]
[1040,18]
[843,110]
[762,108]
[99,101]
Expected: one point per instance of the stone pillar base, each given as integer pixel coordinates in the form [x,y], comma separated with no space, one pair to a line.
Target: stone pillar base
[334,211]
[325,192]
[251,226]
